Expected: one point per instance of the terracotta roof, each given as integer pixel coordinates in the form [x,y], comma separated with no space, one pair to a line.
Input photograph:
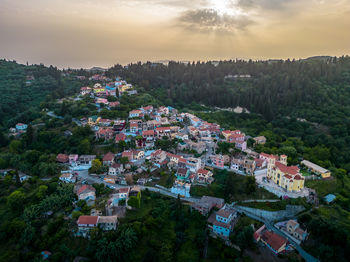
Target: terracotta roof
[203,171]
[148,132]
[63,158]
[292,170]
[163,128]
[173,155]
[108,157]
[298,177]
[120,137]
[268,156]
[259,162]
[116,165]
[84,188]
[124,190]
[87,220]
[182,171]
[127,153]
[274,240]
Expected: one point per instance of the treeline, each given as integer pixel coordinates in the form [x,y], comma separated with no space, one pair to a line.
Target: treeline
[311,94]
[24,87]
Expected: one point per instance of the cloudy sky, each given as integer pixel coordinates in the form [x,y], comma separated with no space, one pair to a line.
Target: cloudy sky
[86,33]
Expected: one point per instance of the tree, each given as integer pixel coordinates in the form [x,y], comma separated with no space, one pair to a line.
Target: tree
[95,166]
[84,146]
[250,184]
[244,238]
[42,191]
[29,135]
[134,202]
[15,200]
[124,160]
[15,146]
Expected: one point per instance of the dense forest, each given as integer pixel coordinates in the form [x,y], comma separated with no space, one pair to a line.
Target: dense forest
[307,99]
[24,87]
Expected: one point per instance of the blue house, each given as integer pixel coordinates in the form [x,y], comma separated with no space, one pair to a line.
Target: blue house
[21,127]
[224,221]
[330,198]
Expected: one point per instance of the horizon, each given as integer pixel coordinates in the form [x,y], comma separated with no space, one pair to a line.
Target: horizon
[164,61]
[84,34]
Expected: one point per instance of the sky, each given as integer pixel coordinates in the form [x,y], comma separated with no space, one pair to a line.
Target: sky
[86,33]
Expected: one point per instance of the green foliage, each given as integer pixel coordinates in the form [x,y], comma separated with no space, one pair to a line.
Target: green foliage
[228,185]
[96,165]
[16,200]
[134,202]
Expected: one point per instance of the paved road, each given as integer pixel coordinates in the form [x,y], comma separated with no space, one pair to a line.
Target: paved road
[52,114]
[269,225]
[84,175]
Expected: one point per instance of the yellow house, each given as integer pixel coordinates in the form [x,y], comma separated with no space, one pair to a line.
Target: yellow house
[287,177]
[94,120]
[99,90]
[124,88]
[316,169]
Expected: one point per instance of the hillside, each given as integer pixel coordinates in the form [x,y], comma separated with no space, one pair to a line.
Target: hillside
[24,87]
[308,100]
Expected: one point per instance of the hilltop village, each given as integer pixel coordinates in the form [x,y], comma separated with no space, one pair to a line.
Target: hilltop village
[177,154]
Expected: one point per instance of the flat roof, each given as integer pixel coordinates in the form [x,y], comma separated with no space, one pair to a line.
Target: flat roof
[314,166]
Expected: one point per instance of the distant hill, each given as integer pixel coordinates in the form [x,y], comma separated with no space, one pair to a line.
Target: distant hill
[318,58]
[97,69]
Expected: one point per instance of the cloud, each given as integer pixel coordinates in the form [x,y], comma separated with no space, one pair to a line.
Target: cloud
[209,20]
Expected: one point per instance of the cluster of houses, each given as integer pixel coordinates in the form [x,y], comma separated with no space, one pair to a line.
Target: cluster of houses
[18,130]
[107,88]
[110,221]
[277,243]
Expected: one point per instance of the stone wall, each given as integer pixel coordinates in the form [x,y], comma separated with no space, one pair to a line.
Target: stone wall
[290,212]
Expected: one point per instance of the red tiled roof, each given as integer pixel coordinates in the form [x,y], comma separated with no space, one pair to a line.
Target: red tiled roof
[274,240]
[202,171]
[163,128]
[235,136]
[124,190]
[104,120]
[63,158]
[104,131]
[157,152]
[135,111]
[259,162]
[116,165]
[87,220]
[182,171]
[134,125]
[148,132]
[268,156]
[85,187]
[292,170]
[127,153]
[298,177]
[120,137]
[108,157]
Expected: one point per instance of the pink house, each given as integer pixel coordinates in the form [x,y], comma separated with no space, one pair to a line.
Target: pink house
[73,159]
[217,160]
